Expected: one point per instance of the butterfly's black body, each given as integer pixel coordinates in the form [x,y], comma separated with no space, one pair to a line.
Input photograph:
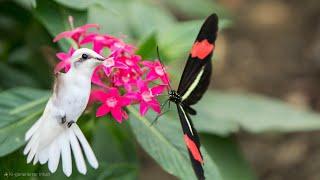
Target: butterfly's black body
[174,97]
[193,84]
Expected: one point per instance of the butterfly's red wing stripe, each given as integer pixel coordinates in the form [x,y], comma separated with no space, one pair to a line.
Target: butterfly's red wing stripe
[201,49]
[193,148]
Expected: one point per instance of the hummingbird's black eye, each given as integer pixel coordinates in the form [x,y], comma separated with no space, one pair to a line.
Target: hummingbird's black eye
[84,56]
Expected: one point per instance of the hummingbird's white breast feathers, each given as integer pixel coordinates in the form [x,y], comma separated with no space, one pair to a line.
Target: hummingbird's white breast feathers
[50,137]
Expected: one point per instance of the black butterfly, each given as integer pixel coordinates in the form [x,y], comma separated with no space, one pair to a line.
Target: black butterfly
[193,84]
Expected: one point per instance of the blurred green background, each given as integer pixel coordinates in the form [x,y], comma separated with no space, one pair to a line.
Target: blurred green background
[259,119]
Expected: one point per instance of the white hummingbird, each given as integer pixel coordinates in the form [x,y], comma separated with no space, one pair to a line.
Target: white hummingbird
[55,133]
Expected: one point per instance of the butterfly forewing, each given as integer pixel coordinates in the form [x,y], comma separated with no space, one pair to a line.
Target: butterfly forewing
[199,61]
[200,84]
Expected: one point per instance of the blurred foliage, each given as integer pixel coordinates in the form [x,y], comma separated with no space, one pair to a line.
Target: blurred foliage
[27,59]
[19,109]
[229,160]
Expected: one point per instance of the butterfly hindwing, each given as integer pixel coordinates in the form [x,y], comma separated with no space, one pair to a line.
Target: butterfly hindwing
[192,141]
[199,58]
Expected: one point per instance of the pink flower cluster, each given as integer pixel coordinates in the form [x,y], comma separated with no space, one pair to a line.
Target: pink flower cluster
[123,80]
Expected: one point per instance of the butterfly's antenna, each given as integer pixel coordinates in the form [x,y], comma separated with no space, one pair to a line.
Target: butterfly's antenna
[159,85]
[158,53]
[157,118]
[159,115]
[155,83]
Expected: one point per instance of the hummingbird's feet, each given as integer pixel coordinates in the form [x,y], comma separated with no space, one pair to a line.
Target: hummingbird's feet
[69,124]
[63,119]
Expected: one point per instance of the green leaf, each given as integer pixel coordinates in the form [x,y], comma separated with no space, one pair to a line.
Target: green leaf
[11,77]
[198,8]
[76,4]
[28,4]
[111,20]
[55,19]
[225,113]
[164,143]
[15,165]
[132,18]
[145,18]
[228,157]
[118,139]
[147,48]
[115,150]
[19,108]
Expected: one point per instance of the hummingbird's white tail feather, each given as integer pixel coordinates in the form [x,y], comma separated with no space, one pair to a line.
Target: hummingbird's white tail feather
[61,145]
[65,154]
[54,156]
[35,159]
[86,147]
[77,153]
[43,155]
[32,152]
[30,144]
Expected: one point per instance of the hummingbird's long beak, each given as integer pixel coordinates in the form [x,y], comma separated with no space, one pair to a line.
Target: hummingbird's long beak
[100,59]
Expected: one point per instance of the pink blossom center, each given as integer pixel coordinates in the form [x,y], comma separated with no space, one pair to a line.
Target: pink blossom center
[147,96]
[111,102]
[129,62]
[159,70]
[99,38]
[126,79]
[109,62]
[119,45]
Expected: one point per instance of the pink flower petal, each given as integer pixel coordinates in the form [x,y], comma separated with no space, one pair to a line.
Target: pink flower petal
[113,92]
[148,63]
[59,67]
[125,101]
[124,115]
[142,85]
[97,47]
[67,67]
[107,71]
[155,105]
[152,76]
[75,33]
[132,96]
[102,110]
[117,114]
[62,56]
[96,79]
[143,108]
[120,65]
[87,39]
[62,35]
[158,89]
[87,26]
[98,95]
